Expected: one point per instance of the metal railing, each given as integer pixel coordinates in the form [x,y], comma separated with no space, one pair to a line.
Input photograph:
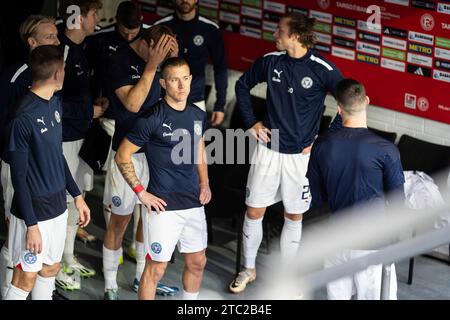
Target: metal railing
[415,233]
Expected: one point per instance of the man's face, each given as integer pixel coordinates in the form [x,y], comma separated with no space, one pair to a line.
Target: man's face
[185,6]
[283,40]
[177,83]
[127,34]
[89,22]
[46,34]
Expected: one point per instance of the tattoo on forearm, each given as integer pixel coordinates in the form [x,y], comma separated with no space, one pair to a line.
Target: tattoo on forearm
[128,173]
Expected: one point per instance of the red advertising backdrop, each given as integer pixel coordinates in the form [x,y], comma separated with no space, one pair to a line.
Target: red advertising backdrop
[400,49]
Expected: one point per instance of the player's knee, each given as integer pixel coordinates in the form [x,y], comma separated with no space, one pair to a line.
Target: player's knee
[156,271]
[50,270]
[119,224]
[196,265]
[25,280]
[293,217]
[255,213]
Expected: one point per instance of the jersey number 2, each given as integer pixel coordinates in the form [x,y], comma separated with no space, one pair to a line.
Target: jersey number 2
[305,193]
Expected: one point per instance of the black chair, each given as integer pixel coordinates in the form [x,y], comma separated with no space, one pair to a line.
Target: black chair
[389,136]
[424,156]
[227,183]
[419,155]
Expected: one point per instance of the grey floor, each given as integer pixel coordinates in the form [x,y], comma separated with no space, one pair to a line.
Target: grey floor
[431,277]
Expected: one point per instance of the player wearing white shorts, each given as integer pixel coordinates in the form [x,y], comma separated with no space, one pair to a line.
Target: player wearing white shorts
[135,88]
[79,109]
[297,82]
[101,47]
[6,265]
[178,188]
[36,30]
[40,177]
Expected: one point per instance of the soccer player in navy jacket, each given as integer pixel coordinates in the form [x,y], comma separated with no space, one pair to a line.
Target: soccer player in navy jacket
[40,177]
[15,82]
[349,167]
[297,80]
[101,46]
[200,38]
[79,109]
[104,43]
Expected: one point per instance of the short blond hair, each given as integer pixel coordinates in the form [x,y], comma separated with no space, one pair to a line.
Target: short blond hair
[29,27]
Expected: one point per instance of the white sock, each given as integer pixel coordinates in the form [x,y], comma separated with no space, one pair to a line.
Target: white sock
[106,214]
[6,271]
[69,245]
[43,288]
[15,293]
[72,214]
[189,295]
[290,240]
[140,259]
[110,267]
[252,237]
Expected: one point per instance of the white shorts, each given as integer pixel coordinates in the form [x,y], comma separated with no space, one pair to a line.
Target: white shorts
[366,284]
[275,177]
[8,190]
[109,158]
[53,234]
[80,170]
[185,228]
[118,194]
[108,126]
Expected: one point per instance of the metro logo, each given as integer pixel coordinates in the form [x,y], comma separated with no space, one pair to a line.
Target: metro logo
[345,21]
[420,49]
[367,59]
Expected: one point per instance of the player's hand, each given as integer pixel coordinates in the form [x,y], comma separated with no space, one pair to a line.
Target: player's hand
[34,239]
[307,150]
[150,201]
[261,133]
[174,49]
[205,193]
[83,210]
[159,51]
[102,102]
[98,111]
[217,118]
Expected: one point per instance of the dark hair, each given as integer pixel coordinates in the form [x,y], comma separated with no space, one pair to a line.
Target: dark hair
[350,95]
[155,33]
[303,26]
[129,15]
[84,5]
[172,62]
[44,61]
